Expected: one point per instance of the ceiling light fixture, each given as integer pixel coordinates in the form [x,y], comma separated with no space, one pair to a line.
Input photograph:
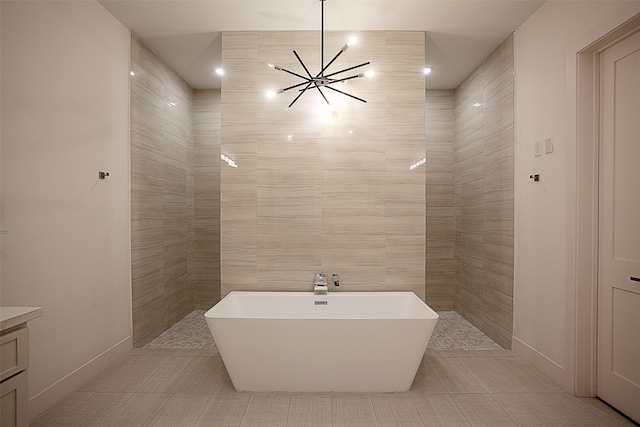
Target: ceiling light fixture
[321,80]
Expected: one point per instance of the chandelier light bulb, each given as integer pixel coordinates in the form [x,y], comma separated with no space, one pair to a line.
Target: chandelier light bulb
[271,93]
[219,71]
[427,71]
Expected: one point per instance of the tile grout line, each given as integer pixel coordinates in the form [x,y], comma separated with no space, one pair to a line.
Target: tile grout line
[416,407]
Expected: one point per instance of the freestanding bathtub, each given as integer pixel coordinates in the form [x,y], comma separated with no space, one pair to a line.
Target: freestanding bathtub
[301,342]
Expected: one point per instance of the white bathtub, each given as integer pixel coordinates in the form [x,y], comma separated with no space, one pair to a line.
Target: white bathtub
[301,342]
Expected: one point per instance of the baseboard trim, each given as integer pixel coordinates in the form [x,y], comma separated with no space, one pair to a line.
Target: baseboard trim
[539,360]
[68,384]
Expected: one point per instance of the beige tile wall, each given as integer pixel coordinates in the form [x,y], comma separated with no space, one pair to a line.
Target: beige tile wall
[483,205]
[439,285]
[175,179]
[316,191]
[161,195]
[204,269]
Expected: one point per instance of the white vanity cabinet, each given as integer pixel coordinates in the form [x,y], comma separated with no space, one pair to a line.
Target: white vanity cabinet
[14,364]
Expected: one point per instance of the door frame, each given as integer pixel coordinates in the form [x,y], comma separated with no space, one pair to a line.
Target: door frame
[583,75]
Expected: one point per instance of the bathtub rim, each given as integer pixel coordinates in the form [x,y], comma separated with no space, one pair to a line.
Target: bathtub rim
[430,314]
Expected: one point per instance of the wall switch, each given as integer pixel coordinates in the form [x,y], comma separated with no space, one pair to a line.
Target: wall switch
[538,149]
[548,145]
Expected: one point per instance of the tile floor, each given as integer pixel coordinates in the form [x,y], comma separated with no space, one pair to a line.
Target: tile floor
[190,387]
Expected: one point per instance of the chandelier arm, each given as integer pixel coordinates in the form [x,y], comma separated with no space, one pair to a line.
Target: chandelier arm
[345,93]
[292,73]
[321,93]
[348,69]
[307,81]
[300,94]
[321,73]
[355,76]
[310,76]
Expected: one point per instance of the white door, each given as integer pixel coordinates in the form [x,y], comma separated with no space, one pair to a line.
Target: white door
[619,273]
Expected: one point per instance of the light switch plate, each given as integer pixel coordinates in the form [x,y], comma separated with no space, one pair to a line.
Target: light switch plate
[538,148]
[548,145]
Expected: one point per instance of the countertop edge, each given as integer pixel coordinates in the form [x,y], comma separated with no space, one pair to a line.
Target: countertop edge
[14,316]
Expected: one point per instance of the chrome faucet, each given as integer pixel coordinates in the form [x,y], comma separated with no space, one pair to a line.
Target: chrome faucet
[320,287]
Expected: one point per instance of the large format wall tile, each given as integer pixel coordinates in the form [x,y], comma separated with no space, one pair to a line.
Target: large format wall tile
[161,195]
[204,273]
[320,191]
[439,280]
[483,193]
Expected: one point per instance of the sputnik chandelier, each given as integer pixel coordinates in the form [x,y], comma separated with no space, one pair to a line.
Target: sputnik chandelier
[321,80]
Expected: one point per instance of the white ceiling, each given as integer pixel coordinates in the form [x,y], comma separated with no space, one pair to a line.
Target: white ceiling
[460,34]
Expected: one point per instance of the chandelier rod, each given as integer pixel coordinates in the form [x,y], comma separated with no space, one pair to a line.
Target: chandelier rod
[322,39]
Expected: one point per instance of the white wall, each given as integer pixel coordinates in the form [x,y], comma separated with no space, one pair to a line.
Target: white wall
[65,116]
[543,54]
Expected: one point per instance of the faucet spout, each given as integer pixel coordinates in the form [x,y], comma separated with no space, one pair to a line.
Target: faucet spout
[320,286]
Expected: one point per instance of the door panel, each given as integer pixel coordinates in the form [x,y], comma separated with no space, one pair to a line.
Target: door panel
[626,335]
[618,295]
[626,140]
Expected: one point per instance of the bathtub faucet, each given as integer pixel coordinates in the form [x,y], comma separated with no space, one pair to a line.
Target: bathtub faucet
[320,287]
